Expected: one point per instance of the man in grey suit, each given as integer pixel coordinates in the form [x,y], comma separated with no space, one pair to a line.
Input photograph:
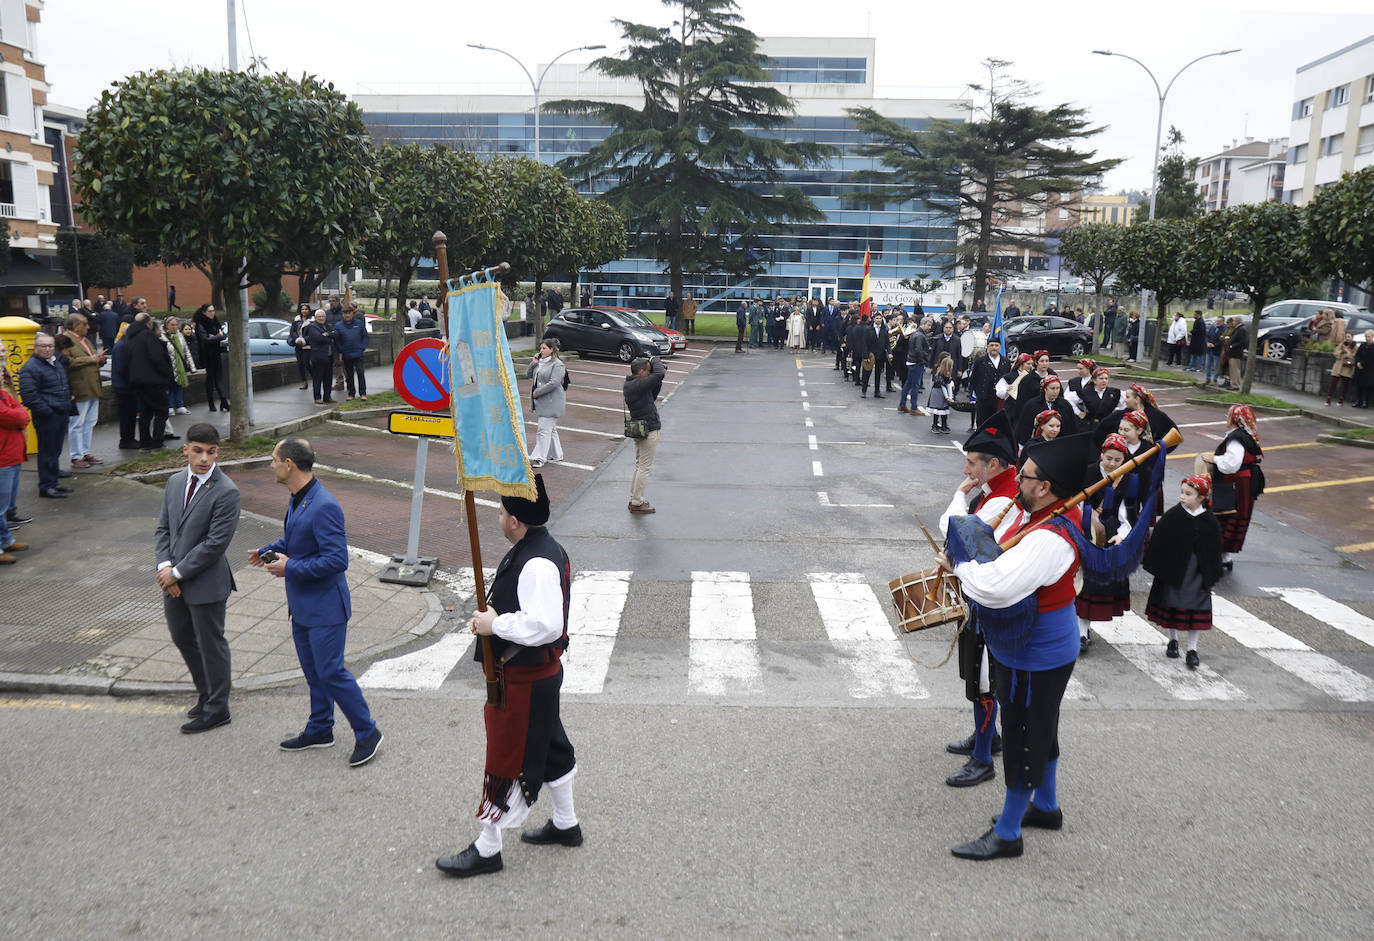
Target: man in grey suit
[200,512]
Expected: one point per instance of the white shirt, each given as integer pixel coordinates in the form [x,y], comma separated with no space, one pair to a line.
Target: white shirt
[1230,460]
[1037,560]
[540,618]
[200,479]
[988,510]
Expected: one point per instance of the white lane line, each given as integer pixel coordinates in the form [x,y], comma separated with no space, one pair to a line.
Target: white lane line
[816,469]
[573,464]
[1288,653]
[804,393]
[402,484]
[599,408]
[811,442]
[801,383]
[423,669]
[580,431]
[1205,424]
[844,442]
[1342,618]
[613,375]
[938,447]
[1143,646]
[825,501]
[724,647]
[383,431]
[810,423]
[863,638]
[661,397]
[806,406]
[598,599]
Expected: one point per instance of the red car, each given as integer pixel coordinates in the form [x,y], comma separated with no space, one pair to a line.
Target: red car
[678,341]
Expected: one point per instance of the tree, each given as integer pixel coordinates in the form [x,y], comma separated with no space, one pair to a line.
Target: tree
[1260,249]
[602,235]
[1177,196]
[104,260]
[1092,250]
[1002,164]
[220,169]
[422,189]
[700,164]
[538,228]
[921,286]
[1340,230]
[1154,256]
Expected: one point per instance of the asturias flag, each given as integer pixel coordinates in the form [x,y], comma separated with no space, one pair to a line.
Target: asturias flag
[997,318]
[866,299]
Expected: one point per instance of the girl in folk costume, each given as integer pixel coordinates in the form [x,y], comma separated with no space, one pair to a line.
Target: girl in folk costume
[1047,426]
[1117,507]
[1032,383]
[1009,386]
[1073,392]
[1050,397]
[1184,556]
[1099,399]
[941,394]
[1236,479]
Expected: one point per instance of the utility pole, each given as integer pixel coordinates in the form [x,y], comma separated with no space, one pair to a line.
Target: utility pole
[243,285]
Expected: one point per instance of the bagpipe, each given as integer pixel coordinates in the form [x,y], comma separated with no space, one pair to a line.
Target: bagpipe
[933,597]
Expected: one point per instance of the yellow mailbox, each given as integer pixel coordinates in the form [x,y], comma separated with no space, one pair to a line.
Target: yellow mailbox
[17,334]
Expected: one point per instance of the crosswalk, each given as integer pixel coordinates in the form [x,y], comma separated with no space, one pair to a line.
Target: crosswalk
[721,637]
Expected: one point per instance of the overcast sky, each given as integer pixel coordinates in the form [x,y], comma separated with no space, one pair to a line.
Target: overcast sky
[87,44]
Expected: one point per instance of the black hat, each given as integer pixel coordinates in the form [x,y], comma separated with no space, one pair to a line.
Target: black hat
[995,437]
[530,512]
[1062,460]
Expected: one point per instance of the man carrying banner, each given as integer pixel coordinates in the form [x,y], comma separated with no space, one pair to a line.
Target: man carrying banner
[526,745]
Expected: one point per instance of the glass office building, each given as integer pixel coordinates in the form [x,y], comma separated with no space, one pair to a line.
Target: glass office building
[823,76]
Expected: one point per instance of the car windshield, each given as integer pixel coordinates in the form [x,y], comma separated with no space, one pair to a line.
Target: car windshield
[634,318]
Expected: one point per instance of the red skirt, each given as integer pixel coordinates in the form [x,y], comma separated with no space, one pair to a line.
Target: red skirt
[1235,525]
[1104,607]
[1179,619]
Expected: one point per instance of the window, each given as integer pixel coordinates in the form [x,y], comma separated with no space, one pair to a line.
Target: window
[1333,145]
[1369,89]
[1303,109]
[1340,95]
[1298,154]
[1366,142]
[1207,170]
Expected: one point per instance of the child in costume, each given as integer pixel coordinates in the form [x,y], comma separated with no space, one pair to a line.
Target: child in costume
[1184,556]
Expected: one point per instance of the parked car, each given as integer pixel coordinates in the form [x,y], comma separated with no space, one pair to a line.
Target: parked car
[679,342]
[1022,283]
[1287,324]
[268,338]
[1059,335]
[599,331]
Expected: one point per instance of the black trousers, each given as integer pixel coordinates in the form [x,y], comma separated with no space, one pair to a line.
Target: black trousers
[152,414]
[879,368]
[51,430]
[126,404]
[353,376]
[198,632]
[303,364]
[214,377]
[1029,701]
[739,338]
[322,372]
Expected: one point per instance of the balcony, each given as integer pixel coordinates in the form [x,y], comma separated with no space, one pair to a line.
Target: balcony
[4,122]
[8,211]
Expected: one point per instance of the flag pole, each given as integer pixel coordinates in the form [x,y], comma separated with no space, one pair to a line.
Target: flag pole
[469,499]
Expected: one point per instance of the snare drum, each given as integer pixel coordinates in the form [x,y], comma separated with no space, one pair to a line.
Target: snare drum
[927,599]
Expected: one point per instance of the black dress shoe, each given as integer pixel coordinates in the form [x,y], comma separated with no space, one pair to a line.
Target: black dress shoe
[548,834]
[365,749]
[469,863]
[52,494]
[61,489]
[171,437]
[1171,651]
[196,711]
[1192,660]
[1084,643]
[15,519]
[965,746]
[63,473]
[973,772]
[988,846]
[304,740]
[1040,819]
[128,445]
[205,723]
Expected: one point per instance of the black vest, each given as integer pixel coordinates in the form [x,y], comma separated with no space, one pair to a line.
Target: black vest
[504,596]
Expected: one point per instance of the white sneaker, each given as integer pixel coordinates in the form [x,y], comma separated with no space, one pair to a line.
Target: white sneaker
[183,410]
[535,462]
[171,411]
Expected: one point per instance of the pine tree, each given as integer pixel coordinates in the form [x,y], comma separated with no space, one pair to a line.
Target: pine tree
[697,169]
[1178,197]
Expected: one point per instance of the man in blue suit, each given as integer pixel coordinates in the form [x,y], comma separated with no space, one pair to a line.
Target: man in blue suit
[312,556]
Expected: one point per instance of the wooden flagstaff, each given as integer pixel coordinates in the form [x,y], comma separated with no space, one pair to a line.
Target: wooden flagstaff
[469,499]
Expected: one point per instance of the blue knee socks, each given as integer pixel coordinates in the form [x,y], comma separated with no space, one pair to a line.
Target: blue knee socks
[1047,794]
[984,728]
[1008,825]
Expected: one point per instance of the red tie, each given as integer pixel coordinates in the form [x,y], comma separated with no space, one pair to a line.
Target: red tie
[191,491]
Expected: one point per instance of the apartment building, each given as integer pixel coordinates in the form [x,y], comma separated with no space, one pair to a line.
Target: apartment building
[1332,129]
[1245,173]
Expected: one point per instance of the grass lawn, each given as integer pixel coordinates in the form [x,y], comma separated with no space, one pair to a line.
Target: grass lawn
[710,325]
[388,399]
[1356,434]
[1154,374]
[256,446]
[1235,398]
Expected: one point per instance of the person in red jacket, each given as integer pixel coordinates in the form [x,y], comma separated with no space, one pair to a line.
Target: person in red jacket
[14,418]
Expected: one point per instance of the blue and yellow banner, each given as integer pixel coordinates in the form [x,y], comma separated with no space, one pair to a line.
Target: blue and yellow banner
[490,435]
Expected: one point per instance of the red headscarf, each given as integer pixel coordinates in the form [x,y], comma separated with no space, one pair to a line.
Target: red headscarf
[1047,381]
[1088,363]
[1024,358]
[1101,371]
[1144,394]
[1040,353]
[1114,442]
[1042,418]
[1201,484]
[1243,416]
[1137,418]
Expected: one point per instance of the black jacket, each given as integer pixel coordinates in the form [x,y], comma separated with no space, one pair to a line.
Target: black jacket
[1176,536]
[319,339]
[149,364]
[1025,417]
[641,391]
[1097,406]
[984,376]
[947,344]
[918,348]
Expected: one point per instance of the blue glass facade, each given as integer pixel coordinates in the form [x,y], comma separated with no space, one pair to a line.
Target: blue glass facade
[907,239]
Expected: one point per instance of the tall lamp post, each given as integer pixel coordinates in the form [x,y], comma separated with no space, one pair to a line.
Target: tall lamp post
[536,86]
[1154,170]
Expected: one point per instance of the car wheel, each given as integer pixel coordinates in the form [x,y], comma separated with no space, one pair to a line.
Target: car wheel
[626,351]
[1078,350]
[1276,349]
[1013,351]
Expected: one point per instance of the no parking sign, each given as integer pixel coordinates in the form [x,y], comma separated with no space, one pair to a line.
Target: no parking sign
[421,375]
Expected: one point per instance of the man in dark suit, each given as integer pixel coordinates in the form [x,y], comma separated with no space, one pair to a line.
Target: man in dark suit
[880,346]
[312,556]
[983,377]
[200,513]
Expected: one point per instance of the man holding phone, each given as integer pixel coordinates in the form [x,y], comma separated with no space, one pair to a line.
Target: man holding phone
[200,513]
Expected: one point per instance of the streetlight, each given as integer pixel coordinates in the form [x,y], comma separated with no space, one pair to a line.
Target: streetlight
[1154,170]
[533,84]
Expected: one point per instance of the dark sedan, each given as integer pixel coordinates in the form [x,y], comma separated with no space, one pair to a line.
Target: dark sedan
[590,331]
[1059,335]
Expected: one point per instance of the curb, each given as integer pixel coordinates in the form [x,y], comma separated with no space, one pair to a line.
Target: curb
[1347,442]
[1260,409]
[279,430]
[1156,381]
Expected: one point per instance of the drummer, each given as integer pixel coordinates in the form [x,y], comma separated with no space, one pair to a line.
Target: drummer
[1032,656]
[988,488]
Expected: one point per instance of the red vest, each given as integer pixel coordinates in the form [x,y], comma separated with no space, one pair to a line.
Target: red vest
[1061,592]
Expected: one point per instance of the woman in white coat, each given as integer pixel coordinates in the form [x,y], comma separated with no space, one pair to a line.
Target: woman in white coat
[550,401]
[796,329]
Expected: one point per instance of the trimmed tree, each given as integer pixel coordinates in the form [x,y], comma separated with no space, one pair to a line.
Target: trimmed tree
[1092,250]
[105,260]
[1002,164]
[1260,249]
[700,164]
[1154,256]
[216,168]
[1177,197]
[1340,229]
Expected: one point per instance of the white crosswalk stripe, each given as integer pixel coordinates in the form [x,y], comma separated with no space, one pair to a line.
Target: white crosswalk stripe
[724,651]
[1317,669]
[863,637]
[598,598]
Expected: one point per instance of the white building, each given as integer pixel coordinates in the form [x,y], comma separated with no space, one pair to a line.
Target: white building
[1242,174]
[1333,120]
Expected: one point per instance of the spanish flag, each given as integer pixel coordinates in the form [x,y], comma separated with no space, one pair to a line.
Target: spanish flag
[866,299]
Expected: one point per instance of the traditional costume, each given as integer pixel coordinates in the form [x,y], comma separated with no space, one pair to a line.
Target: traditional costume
[1184,556]
[1031,409]
[1098,405]
[1237,479]
[527,746]
[1117,506]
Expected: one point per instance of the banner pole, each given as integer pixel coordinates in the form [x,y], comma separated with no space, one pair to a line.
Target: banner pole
[469,500]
